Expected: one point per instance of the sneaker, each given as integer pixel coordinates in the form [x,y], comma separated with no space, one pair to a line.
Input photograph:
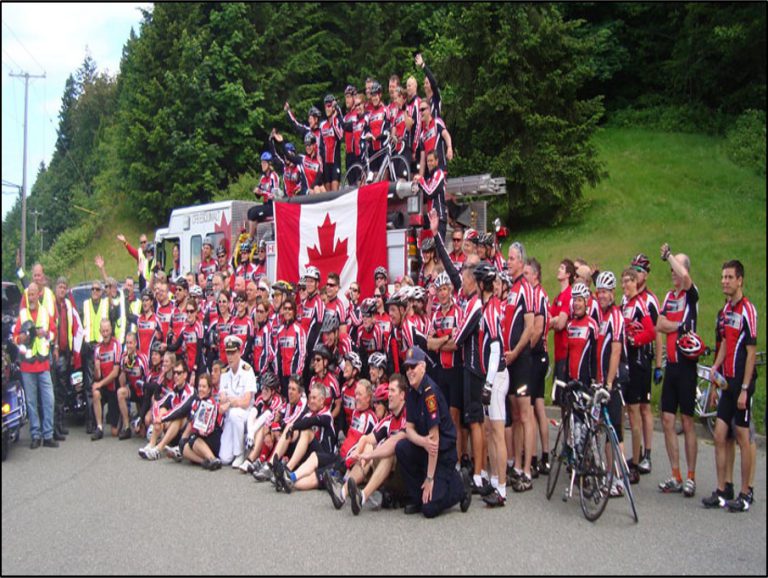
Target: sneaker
[671,486]
[634,474]
[375,501]
[466,463]
[215,464]
[544,467]
[50,443]
[97,435]
[287,481]
[174,453]
[494,500]
[333,487]
[644,467]
[136,424]
[238,461]
[253,466]
[617,488]
[205,464]
[716,500]
[750,495]
[246,466]
[152,454]
[740,504]
[263,473]
[483,490]
[689,488]
[534,468]
[523,483]
[466,479]
[728,494]
[355,496]
[125,434]
[143,451]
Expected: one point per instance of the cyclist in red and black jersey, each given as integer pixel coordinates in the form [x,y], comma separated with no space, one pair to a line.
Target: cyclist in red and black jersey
[331,133]
[313,123]
[433,188]
[353,365]
[560,311]
[242,327]
[133,374]
[311,314]
[433,137]
[165,308]
[266,190]
[347,123]
[397,120]
[290,346]
[147,323]
[310,164]
[207,265]
[641,333]
[370,337]
[582,333]
[412,121]
[679,314]
[190,340]
[736,360]
[220,328]
[377,128]
[431,88]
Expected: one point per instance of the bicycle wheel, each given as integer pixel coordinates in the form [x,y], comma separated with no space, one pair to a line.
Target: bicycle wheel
[708,413]
[596,476]
[354,176]
[620,464]
[558,455]
[399,169]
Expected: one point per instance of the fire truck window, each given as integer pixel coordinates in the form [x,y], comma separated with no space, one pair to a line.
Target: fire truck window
[195,250]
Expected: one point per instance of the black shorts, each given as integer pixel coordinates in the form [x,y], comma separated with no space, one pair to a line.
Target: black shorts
[539,367]
[261,212]
[213,441]
[473,393]
[679,388]
[520,376]
[113,412]
[452,386]
[727,409]
[615,412]
[561,369]
[638,389]
[351,159]
[331,172]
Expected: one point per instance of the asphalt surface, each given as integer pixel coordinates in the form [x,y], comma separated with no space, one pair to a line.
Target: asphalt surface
[97,508]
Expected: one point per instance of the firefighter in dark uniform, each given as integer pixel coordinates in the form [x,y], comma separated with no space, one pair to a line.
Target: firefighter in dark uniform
[427,457]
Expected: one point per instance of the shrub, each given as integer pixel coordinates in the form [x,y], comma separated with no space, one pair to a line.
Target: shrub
[693,118]
[745,141]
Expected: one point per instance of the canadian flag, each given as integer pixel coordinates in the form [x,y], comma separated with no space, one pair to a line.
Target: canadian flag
[346,235]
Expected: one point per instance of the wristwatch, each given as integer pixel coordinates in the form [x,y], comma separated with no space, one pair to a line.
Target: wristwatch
[430,479]
[744,386]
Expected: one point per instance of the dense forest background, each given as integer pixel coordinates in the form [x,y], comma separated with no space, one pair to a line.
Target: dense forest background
[524,86]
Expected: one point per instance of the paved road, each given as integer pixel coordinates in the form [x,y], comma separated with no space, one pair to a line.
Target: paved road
[96,508]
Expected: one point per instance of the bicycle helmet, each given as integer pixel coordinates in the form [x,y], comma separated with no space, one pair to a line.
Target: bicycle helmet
[428,244]
[245,248]
[314,111]
[150,248]
[309,139]
[156,346]
[633,328]
[196,292]
[382,393]
[269,379]
[330,322]
[329,98]
[221,251]
[147,294]
[266,156]
[380,272]
[418,293]
[641,263]
[290,148]
[606,280]
[397,299]
[354,360]
[322,351]
[442,279]
[351,90]
[368,307]
[485,272]
[471,235]
[691,345]
[377,359]
[375,87]
[283,286]
[506,281]
[580,290]
[312,272]
[486,239]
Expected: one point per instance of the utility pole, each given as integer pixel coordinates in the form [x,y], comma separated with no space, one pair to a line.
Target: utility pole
[26,76]
[42,232]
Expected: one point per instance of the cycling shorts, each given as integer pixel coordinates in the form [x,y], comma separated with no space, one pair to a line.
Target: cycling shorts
[213,441]
[615,412]
[679,389]
[497,409]
[332,172]
[473,401]
[539,367]
[520,375]
[638,389]
[113,412]
[727,409]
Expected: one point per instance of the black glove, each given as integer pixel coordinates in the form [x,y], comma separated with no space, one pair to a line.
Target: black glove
[486,396]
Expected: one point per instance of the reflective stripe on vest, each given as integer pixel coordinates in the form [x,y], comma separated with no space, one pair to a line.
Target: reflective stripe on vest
[121,321]
[48,300]
[41,346]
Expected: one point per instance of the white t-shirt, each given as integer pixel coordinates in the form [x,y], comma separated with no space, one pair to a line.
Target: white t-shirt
[235,385]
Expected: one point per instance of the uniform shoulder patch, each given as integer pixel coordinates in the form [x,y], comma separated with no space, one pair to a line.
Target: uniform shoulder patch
[246,367]
[431,402]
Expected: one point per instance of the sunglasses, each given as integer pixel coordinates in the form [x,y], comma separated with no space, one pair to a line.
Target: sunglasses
[95,288]
[316,359]
[331,285]
[457,239]
[260,311]
[355,289]
[178,372]
[423,109]
[191,311]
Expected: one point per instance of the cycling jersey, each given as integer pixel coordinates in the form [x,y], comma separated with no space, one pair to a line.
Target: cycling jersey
[414,333]
[134,367]
[349,137]
[165,314]
[292,411]
[336,306]
[267,184]
[293,178]
[389,425]
[562,304]
[190,341]
[611,330]
[681,307]
[108,354]
[147,328]
[384,322]
[348,401]
[520,302]
[302,129]
[490,332]
[431,139]
[311,166]
[275,404]
[208,267]
[740,330]
[321,424]
[262,347]
[331,384]
[412,135]
[290,346]
[180,403]
[369,340]
[467,337]
[311,314]
[377,124]
[397,118]
[246,270]
[443,323]
[634,310]
[362,423]
[541,309]
[331,133]
[243,328]
[582,335]
[220,330]
[434,193]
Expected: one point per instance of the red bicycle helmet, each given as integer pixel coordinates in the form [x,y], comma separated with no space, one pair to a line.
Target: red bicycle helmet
[691,345]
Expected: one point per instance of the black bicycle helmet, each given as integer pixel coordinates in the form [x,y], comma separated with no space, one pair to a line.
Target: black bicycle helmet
[269,379]
[330,322]
[375,87]
[309,139]
[314,111]
[322,351]
[485,273]
[329,98]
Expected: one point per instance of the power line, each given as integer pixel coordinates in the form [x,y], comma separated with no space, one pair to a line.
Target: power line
[16,64]
[24,47]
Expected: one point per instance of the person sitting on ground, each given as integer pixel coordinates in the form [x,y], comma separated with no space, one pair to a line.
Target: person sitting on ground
[201,439]
[107,368]
[266,407]
[238,386]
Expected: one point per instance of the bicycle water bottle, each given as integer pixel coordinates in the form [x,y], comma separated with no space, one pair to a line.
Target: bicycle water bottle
[719,379]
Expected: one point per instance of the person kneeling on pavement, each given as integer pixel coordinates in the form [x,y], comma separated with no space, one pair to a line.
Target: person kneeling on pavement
[427,457]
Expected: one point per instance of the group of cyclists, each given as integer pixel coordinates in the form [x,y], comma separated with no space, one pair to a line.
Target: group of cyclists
[295,384]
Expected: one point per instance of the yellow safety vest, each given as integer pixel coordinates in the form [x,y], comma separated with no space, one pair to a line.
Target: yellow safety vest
[41,346]
[121,321]
[135,309]
[48,301]
[92,319]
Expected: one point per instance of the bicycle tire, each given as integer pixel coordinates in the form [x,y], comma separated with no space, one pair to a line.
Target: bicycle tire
[624,472]
[354,176]
[557,450]
[596,477]
[399,169]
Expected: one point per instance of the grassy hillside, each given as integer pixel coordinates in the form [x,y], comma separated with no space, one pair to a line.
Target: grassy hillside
[677,188]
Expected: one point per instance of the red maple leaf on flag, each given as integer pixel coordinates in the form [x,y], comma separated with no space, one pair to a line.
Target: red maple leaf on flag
[328,259]
[224,227]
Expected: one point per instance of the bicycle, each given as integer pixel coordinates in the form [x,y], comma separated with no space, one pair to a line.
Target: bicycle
[708,395]
[393,168]
[579,445]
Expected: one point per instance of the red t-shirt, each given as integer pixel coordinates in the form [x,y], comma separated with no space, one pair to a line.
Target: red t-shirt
[561,304]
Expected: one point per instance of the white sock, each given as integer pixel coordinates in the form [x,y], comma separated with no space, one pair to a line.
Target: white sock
[484,474]
[502,491]
[478,480]
[510,463]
